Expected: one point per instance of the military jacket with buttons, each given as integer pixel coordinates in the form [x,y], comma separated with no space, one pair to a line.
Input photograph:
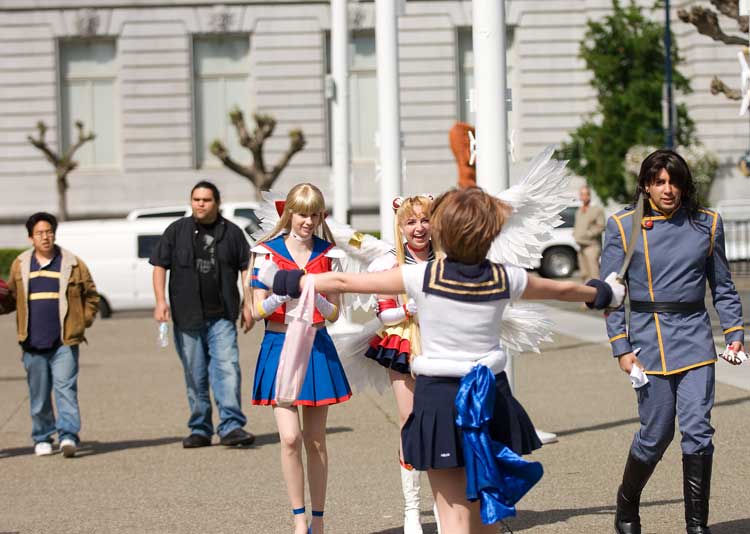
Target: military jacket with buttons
[674,258]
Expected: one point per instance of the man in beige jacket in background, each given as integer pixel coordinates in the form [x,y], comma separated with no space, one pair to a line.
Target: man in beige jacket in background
[587,232]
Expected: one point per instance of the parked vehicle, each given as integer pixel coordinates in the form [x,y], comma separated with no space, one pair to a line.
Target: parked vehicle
[560,254]
[117,252]
[230,210]
[735,214]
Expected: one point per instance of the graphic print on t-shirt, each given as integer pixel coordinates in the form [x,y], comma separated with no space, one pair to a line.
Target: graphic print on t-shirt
[207,269]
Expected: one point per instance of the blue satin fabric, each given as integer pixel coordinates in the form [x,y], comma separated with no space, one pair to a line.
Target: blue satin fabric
[495,475]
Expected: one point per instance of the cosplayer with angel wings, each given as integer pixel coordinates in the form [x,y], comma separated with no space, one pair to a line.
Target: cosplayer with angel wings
[466,429]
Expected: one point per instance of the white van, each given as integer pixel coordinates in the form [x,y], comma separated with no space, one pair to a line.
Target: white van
[117,252]
[230,210]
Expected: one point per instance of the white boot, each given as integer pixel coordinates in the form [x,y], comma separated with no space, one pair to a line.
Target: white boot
[410,487]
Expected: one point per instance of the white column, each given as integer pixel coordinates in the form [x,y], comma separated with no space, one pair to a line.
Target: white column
[490,82]
[340,167]
[389,115]
[491,110]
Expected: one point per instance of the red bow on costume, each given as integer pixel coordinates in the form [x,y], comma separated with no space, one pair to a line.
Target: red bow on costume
[280,206]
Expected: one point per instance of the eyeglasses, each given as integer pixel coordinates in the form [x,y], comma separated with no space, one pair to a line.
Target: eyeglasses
[42,233]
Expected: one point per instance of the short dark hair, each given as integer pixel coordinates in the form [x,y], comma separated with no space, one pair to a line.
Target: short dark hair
[40,216]
[204,184]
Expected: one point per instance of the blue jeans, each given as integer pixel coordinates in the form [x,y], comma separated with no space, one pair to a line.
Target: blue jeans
[58,370]
[210,355]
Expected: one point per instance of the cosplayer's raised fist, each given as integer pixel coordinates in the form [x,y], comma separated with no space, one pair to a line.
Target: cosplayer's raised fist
[266,273]
[410,307]
[618,290]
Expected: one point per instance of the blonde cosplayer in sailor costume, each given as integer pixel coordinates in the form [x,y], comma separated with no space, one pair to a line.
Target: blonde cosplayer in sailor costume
[293,245]
[466,429]
[392,346]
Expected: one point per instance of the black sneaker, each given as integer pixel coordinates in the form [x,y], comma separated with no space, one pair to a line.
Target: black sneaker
[193,441]
[238,436]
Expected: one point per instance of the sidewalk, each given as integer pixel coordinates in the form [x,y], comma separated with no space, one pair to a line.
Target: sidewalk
[132,475]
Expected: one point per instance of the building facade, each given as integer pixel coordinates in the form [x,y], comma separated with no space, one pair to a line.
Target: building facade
[155,81]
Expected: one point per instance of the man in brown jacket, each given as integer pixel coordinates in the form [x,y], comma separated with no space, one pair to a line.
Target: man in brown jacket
[55,300]
[588,229]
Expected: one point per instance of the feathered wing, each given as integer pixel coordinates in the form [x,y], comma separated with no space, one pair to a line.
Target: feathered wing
[537,201]
[362,373]
[361,250]
[267,212]
[525,327]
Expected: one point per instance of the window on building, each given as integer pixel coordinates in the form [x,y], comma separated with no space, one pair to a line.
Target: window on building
[466,73]
[222,82]
[88,72]
[363,91]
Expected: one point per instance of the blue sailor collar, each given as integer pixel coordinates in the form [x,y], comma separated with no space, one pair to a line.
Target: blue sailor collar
[278,246]
[481,282]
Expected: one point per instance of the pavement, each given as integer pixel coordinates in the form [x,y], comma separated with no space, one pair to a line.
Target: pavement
[132,475]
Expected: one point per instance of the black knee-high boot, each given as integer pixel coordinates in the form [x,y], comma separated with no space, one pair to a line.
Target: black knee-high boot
[637,473]
[696,478]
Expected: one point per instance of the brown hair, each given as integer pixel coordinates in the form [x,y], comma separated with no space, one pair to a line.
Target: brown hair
[465,221]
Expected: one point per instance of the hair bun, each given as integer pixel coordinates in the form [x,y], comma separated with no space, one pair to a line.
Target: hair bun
[397,203]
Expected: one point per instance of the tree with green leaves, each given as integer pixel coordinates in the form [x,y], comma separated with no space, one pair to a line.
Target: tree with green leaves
[625,53]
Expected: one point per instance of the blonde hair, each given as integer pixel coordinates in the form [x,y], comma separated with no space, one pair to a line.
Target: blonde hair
[465,222]
[302,199]
[404,211]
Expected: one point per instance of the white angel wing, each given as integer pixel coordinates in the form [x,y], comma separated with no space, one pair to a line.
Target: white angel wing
[361,250]
[267,212]
[362,373]
[524,328]
[537,202]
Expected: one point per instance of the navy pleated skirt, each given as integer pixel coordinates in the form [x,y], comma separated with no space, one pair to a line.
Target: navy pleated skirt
[431,439]
[325,382]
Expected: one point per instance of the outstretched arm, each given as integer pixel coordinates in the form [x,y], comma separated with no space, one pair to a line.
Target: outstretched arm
[385,282]
[543,288]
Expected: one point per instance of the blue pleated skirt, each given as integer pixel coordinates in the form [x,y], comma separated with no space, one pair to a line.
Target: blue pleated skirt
[431,439]
[325,382]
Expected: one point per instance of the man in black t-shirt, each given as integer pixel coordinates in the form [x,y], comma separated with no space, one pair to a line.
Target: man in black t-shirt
[204,254]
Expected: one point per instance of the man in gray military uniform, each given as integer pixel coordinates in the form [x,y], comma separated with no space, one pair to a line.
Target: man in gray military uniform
[677,248]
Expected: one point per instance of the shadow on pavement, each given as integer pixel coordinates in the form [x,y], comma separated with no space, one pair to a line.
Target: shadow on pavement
[92,448]
[273,437]
[427,528]
[12,379]
[738,526]
[633,420]
[528,519]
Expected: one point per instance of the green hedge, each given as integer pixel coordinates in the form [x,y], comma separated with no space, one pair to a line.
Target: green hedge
[7,255]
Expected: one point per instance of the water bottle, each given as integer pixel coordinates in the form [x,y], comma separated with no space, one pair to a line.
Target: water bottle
[163,339]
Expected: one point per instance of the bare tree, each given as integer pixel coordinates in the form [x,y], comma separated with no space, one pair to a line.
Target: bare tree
[256,171]
[63,164]
[706,21]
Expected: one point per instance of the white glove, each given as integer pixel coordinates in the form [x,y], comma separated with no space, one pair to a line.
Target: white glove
[266,273]
[397,314]
[411,307]
[618,290]
[271,304]
[327,309]
[735,358]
